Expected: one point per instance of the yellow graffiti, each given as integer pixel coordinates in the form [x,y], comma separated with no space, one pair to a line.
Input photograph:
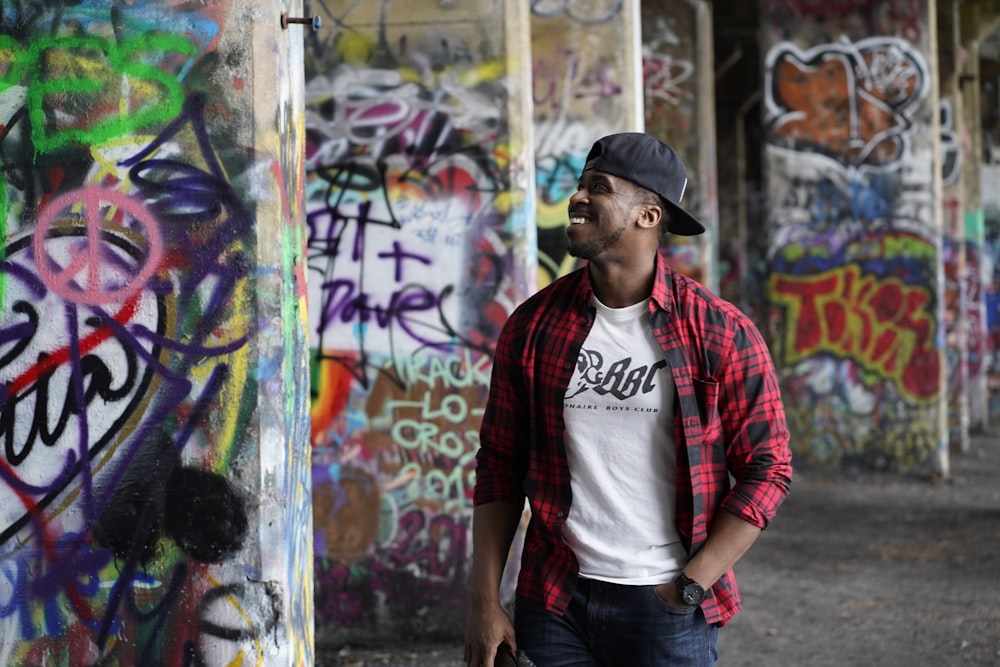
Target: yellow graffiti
[882,324]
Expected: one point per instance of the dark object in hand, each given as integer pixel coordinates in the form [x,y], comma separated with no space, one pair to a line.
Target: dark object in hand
[505,657]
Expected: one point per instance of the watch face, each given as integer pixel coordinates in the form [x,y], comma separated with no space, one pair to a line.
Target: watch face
[693,594]
[691,591]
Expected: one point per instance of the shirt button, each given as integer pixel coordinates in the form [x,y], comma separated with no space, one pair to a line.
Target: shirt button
[560,514]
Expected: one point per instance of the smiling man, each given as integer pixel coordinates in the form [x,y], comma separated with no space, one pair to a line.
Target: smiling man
[641,417]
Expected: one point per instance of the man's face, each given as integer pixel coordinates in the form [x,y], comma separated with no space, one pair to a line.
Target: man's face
[601,212]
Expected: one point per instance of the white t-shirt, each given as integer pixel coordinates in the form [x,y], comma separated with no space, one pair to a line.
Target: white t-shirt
[618,411]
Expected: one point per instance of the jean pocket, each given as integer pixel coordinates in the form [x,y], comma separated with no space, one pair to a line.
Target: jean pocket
[667,606]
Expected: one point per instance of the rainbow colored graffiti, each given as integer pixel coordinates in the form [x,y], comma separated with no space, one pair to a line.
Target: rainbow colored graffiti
[129,373]
[417,253]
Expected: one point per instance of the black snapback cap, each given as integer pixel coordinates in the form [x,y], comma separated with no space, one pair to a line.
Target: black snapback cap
[649,163]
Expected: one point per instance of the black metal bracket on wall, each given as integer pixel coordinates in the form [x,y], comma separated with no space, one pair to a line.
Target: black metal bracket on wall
[316,22]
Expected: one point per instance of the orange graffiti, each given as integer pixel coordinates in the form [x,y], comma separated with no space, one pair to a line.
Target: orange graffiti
[347,514]
[882,324]
[331,388]
[852,102]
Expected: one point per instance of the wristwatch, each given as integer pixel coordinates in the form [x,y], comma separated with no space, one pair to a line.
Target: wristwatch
[691,591]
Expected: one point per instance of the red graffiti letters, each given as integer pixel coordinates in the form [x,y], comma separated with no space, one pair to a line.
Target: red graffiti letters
[884,325]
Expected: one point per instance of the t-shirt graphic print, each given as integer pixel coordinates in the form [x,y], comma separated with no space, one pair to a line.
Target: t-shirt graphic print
[620,447]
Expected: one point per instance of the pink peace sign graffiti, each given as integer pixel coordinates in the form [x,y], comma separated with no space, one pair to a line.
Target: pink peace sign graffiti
[85,269]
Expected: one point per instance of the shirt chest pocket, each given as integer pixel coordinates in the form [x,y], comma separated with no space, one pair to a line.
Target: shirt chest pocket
[706,392]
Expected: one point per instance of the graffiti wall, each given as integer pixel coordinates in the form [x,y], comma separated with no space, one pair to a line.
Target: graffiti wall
[136,345]
[680,109]
[991,281]
[956,197]
[585,85]
[419,247]
[989,268]
[853,201]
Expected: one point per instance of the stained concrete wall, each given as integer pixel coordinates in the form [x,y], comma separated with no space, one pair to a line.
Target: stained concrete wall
[742,229]
[975,21]
[854,205]
[989,78]
[586,78]
[953,155]
[153,368]
[679,108]
[421,242]
[436,130]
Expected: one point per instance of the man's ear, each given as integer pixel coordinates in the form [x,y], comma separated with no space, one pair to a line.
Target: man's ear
[650,216]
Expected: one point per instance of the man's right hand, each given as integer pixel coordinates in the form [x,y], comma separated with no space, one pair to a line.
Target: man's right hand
[486,627]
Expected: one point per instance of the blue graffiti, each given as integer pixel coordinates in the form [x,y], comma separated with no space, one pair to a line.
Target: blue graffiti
[860,201]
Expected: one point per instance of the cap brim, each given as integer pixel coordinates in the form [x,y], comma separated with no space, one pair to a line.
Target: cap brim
[683,223]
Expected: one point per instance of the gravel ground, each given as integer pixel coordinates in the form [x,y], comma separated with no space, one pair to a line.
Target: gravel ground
[857,570]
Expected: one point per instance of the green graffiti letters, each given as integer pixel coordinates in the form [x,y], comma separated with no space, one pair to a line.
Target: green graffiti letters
[87,89]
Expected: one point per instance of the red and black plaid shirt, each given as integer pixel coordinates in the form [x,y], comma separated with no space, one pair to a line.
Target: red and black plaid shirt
[729,420]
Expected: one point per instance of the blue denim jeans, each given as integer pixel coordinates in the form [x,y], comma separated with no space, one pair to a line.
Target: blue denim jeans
[611,625]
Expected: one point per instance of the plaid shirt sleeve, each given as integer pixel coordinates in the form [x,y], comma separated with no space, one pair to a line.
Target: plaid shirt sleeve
[731,422]
[756,435]
[504,431]
[521,451]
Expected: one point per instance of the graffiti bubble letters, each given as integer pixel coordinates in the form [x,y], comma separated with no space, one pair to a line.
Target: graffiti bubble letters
[884,325]
[58,364]
[94,70]
[90,271]
[853,103]
[587,12]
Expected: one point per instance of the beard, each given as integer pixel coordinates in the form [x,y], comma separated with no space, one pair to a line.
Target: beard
[594,247]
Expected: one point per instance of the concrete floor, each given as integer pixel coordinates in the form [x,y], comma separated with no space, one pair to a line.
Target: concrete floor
[857,570]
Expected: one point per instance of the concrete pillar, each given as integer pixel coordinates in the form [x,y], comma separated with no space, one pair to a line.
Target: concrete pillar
[742,230]
[953,154]
[421,242]
[153,366]
[854,205]
[679,106]
[978,283]
[989,76]
[587,82]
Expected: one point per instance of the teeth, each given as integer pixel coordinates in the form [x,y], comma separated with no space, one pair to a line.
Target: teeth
[577,220]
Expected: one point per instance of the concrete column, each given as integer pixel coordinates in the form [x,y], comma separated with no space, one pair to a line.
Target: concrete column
[953,154]
[854,205]
[981,30]
[419,170]
[587,83]
[742,229]
[977,282]
[153,367]
[679,100]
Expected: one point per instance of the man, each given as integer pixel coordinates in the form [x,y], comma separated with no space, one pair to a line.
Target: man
[624,400]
